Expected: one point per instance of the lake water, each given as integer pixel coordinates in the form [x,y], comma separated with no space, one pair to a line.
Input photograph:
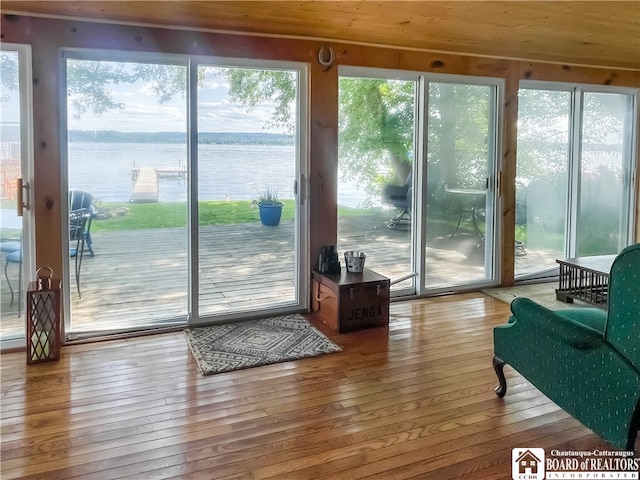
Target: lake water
[232,172]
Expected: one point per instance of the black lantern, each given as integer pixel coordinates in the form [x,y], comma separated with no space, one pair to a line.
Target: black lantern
[43,318]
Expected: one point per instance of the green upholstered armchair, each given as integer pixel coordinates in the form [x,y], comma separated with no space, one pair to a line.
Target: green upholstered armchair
[585,360]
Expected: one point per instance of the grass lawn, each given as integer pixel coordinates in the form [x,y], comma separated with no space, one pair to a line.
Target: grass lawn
[174,214]
[142,216]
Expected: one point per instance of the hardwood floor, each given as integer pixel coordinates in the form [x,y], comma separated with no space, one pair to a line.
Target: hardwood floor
[415,400]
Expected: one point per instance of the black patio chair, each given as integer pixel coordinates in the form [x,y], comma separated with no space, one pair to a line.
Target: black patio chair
[399,196]
[77,239]
[77,200]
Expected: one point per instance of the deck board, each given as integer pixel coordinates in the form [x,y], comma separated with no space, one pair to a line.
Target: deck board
[140,277]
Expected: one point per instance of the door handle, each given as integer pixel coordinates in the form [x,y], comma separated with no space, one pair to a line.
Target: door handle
[300,189]
[21,188]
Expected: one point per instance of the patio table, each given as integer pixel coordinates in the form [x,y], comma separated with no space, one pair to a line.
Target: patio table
[476,195]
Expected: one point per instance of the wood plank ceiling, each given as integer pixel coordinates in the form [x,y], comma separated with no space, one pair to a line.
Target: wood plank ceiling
[597,33]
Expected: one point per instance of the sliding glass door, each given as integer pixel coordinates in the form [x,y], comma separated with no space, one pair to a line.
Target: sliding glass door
[604,180]
[460,174]
[574,169]
[377,131]
[127,167]
[167,160]
[542,179]
[417,161]
[248,222]
[16,161]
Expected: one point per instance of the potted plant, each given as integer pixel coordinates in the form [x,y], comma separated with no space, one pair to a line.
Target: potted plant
[269,207]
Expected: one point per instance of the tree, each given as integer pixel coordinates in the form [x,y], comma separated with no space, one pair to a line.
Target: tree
[254,86]
[376,120]
[376,115]
[8,73]
[89,82]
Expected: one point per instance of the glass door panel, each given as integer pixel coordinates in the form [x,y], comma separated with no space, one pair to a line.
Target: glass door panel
[605,159]
[248,149]
[15,162]
[460,162]
[542,179]
[574,194]
[127,169]
[375,175]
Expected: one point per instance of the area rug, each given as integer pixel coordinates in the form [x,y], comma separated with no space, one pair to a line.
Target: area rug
[234,346]
[541,293]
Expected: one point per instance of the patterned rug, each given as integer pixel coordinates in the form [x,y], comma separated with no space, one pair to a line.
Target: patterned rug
[233,346]
[541,293]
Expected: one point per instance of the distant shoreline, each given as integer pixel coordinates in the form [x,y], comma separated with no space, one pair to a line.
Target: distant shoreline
[211,138]
[10,133]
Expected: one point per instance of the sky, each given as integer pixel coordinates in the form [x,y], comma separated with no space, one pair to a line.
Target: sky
[142,113]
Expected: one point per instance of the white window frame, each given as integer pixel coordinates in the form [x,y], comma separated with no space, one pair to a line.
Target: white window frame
[25,83]
[577,91]
[191,62]
[493,250]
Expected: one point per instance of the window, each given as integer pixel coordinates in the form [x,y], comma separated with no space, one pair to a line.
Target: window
[170,152]
[573,181]
[417,161]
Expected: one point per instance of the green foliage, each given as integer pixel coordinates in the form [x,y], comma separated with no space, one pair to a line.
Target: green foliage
[88,85]
[458,146]
[8,73]
[376,119]
[543,127]
[254,86]
[267,196]
[166,81]
[376,133]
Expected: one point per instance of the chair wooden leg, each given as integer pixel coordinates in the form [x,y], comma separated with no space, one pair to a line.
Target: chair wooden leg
[498,366]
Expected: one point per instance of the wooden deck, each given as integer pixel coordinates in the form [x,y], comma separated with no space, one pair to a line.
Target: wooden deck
[414,400]
[139,278]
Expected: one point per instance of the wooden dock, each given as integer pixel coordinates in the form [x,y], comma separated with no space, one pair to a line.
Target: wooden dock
[171,172]
[145,186]
[146,181]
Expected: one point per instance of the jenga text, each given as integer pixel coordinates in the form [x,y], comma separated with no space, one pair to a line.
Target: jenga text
[366,312]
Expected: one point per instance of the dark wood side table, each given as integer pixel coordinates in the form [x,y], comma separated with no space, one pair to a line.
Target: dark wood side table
[348,301]
[585,279]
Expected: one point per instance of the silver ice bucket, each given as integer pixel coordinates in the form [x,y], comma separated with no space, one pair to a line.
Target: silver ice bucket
[354,261]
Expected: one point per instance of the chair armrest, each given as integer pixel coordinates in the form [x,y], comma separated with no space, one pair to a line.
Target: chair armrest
[564,329]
